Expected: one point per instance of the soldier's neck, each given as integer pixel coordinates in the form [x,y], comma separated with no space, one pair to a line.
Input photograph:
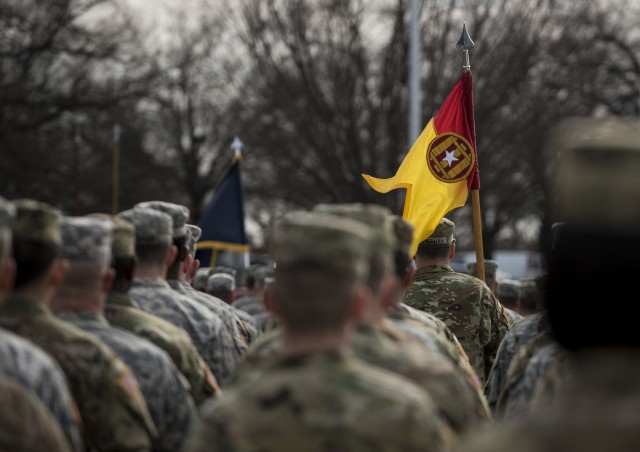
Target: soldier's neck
[40,293]
[78,300]
[297,343]
[420,262]
[147,271]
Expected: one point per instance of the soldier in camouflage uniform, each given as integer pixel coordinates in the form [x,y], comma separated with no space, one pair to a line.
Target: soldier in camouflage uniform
[313,395]
[462,301]
[598,196]
[177,273]
[113,411]
[491,279]
[199,281]
[251,302]
[25,423]
[123,313]
[27,364]
[222,286]
[80,300]
[150,291]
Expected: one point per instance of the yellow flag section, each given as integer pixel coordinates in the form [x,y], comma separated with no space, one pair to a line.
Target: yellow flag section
[441,166]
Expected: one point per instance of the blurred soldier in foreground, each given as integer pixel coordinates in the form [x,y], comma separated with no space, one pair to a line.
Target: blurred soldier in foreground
[313,395]
[491,279]
[123,313]
[597,165]
[80,301]
[25,423]
[464,302]
[113,411]
[25,363]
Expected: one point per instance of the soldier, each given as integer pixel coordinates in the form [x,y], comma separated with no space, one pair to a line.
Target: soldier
[120,311]
[150,291]
[199,281]
[491,279]
[25,423]
[598,196]
[27,364]
[113,410]
[193,235]
[80,301]
[251,302]
[464,302]
[314,396]
[222,286]
[176,274]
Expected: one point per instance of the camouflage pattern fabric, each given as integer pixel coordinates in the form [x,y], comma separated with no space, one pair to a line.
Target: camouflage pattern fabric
[25,423]
[120,311]
[162,386]
[249,325]
[322,401]
[521,333]
[211,338]
[226,313]
[598,411]
[512,315]
[25,363]
[266,322]
[250,304]
[468,308]
[114,413]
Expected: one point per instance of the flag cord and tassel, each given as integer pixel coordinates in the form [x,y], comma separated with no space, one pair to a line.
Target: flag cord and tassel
[465,44]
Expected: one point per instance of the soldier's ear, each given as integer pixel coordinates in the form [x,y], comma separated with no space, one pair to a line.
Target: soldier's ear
[107,280]
[172,253]
[7,275]
[186,264]
[360,303]
[408,277]
[452,250]
[57,272]
[389,292]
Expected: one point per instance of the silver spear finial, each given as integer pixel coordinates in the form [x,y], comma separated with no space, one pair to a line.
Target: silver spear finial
[465,43]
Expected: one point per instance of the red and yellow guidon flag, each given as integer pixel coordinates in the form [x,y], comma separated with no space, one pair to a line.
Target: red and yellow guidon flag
[442,165]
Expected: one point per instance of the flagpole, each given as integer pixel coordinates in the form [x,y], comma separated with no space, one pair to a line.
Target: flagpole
[465,44]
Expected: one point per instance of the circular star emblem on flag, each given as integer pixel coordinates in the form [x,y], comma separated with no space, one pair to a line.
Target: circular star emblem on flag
[450,157]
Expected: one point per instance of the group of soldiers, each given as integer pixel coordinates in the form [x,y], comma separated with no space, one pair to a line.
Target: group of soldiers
[113,339]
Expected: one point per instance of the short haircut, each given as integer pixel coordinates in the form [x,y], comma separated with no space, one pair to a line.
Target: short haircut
[312,298]
[33,258]
[85,275]
[221,286]
[402,263]
[433,251]
[152,253]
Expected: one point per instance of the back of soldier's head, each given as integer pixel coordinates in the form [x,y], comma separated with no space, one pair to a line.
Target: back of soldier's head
[437,245]
[199,281]
[378,219]
[221,285]
[179,217]
[36,240]
[154,234]
[321,262]
[595,256]
[490,271]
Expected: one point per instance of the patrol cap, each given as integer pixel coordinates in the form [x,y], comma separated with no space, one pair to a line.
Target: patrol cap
[199,281]
[595,177]
[443,234]
[221,281]
[7,214]
[37,221]
[403,231]
[508,288]
[152,227]
[330,242]
[124,238]
[490,269]
[86,238]
[193,235]
[179,214]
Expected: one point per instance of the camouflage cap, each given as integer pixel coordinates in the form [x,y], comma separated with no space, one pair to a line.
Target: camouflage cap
[490,269]
[199,281]
[7,214]
[124,238]
[179,214]
[509,288]
[443,234]
[152,226]
[193,235]
[86,238]
[221,281]
[331,242]
[597,162]
[37,221]
[403,231]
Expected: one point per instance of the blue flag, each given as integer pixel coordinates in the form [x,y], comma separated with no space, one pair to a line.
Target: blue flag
[222,223]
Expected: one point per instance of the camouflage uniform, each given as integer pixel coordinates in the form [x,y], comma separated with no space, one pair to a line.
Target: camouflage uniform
[467,306]
[120,311]
[502,374]
[162,386]
[114,413]
[214,343]
[32,368]
[512,315]
[25,423]
[250,304]
[318,402]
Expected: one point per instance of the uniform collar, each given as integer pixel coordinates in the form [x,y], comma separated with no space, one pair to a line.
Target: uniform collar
[148,283]
[120,299]
[83,316]
[17,305]
[433,269]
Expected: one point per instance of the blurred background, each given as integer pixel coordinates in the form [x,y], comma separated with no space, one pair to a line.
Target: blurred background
[315,89]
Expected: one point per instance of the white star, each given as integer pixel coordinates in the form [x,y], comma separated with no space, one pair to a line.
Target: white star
[449,158]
